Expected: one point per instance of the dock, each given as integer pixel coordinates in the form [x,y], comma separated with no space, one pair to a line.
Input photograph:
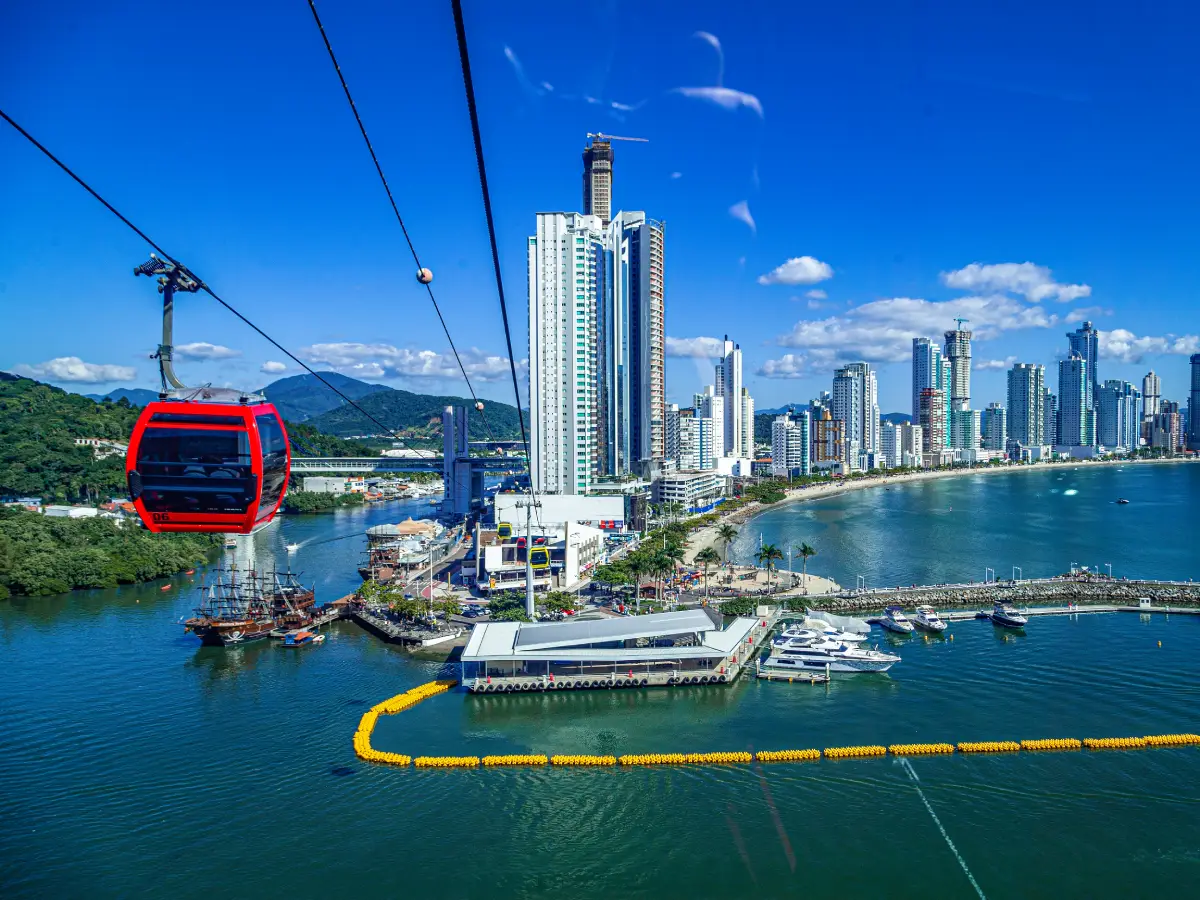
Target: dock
[963,615]
[790,677]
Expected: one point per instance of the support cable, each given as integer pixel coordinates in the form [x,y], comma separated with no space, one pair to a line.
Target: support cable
[403,228]
[203,286]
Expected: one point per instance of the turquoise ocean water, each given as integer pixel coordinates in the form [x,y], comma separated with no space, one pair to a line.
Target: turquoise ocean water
[134,763]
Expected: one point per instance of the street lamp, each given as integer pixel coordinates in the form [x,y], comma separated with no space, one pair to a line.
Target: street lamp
[860,582]
[1017,569]
[1109,565]
[989,575]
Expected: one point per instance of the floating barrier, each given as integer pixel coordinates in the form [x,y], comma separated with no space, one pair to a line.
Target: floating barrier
[389,707]
[516,759]
[582,760]
[920,749]
[1126,743]
[1053,744]
[1171,740]
[446,762]
[854,752]
[988,746]
[652,759]
[787,755]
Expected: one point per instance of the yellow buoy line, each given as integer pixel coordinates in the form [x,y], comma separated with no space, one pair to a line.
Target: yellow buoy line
[408,699]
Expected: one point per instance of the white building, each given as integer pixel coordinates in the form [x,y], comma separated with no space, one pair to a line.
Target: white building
[1026,395]
[711,405]
[1118,419]
[607,512]
[689,489]
[957,353]
[70,512]
[856,402]
[695,440]
[747,446]
[728,386]
[900,445]
[1076,420]
[790,444]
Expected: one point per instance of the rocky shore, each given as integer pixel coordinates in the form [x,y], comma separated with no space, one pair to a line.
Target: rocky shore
[1025,593]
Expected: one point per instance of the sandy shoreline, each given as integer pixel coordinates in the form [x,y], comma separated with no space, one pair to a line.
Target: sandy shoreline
[707,537]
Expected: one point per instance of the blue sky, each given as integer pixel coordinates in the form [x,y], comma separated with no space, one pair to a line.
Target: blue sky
[1025,165]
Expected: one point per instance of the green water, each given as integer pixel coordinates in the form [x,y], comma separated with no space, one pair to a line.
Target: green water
[134,763]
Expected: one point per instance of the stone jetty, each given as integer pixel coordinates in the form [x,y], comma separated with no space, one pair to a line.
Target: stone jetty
[1060,590]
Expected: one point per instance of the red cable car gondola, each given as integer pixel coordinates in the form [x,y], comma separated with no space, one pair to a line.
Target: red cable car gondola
[204,466]
[203,459]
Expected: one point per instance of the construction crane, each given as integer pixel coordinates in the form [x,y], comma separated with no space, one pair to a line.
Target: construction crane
[613,137]
[958,323]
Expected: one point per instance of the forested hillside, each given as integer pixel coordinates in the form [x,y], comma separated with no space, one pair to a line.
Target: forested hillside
[417,417]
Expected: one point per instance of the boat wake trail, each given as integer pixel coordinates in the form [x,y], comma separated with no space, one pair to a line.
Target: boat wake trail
[938,822]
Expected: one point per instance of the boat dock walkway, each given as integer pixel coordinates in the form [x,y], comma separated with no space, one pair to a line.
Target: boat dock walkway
[962,615]
[395,634]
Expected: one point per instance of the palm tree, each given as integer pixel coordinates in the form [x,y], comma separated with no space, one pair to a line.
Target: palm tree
[707,557]
[805,552]
[767,554]
[726,533]
[638,566]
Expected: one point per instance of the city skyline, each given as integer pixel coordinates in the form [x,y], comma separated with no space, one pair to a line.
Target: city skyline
[283,227]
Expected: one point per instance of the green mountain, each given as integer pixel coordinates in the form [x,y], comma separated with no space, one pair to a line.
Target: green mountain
[302,397]
[417,417]
[135,396]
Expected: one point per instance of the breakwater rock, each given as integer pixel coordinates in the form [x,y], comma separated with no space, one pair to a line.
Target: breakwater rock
[1021,593]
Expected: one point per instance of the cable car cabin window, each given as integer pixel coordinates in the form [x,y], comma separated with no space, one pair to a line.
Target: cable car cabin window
[196,470]
[275,461]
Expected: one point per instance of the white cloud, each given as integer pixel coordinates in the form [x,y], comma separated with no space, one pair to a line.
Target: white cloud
[1083,313]
[675,175]
[1125,346]
[202,350]
[882,330]
[741,212]
[711,40]
[816,294]
[388,361]
[788,366]
[994,364]
[74,369]
[271,367]
[726,98]
[1034,283]
[699,347]
[798,270]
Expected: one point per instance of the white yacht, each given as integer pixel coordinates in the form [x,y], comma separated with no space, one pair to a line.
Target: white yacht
[815,627]
[821,654]
[927,618]
[893,619]
[1004,614]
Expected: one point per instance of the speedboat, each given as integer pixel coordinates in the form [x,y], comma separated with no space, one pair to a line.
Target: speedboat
[893,619]
[292,548]
[1122,501]
[821,654]
[813,628]
[927,618]
[1004,614]
[301,639]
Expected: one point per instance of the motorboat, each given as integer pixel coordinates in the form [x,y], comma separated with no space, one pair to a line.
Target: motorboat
[292,548]
[302,639]
[927,618]
[1004,614]
[1121,501]
[893,619]
[822,654]
[815,628]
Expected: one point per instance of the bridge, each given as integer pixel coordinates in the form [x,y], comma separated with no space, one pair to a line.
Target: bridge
[360,465]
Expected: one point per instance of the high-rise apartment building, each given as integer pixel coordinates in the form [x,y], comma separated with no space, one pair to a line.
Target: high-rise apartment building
[926,370]
[1194,404]
[957,353]
[1050,417]
[817,407]
[1118,418]
[597,180]
[596,348]
[1085,343]
[856,402]
[728,384]
[1151,394]
[1166,427]
[1076,420]
[747,449]
[694,442]
[965,432]
[932,419]
[1026,394]
[900,445]
[711,405]
[790,441]
[831,440]
[995,427]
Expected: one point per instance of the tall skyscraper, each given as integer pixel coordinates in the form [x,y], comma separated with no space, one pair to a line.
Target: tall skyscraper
[694,440]
[596,348]
[1118,419]
[1076,420]
[932,419]
[790,442]
[1085,343]
[747,451]
[565,256]
[965,431]
[995,427]
[1194,404]
[1050,417]
[1151,393]
[830,440]
[597,180]
[856,402]
[712,405]
[926,370]
[1026,394]
[957,353]
[728,384]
